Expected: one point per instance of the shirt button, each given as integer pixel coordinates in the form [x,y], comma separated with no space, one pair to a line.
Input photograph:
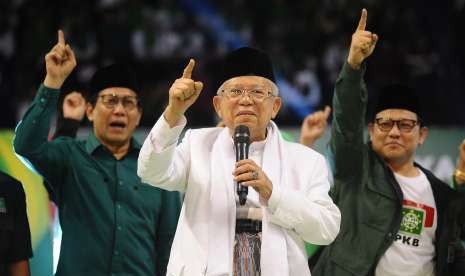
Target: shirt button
[116,252]
[118,206]
[119,228]
[42,100]
[121,182]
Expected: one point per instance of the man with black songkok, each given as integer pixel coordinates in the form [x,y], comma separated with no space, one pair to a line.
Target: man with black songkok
[287,202]
[397,217]
[113,223]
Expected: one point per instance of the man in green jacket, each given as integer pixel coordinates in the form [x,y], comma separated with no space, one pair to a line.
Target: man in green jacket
[113,224]
[397,217]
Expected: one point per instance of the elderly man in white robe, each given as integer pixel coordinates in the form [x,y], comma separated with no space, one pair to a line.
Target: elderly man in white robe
[287,203]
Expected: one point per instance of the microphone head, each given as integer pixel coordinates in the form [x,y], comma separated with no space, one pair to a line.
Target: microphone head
[242,134]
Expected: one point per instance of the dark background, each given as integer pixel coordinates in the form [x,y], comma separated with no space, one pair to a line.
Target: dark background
[421,43]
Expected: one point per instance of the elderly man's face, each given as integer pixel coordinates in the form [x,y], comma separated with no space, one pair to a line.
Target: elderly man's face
[115,115]
[396,134]
[247,100]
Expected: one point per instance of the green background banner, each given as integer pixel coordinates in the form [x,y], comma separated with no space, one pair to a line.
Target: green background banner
[39,209]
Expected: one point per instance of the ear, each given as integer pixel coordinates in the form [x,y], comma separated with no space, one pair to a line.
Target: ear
[371,130]
[423,134]
[277,102]
[217,105]
[139,116]
[90,112]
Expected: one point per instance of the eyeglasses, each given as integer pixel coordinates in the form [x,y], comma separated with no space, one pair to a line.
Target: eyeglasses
[110,101]
[404,125]
[256,94]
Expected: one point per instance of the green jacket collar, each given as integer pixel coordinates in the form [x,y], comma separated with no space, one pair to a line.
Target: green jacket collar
[93,143]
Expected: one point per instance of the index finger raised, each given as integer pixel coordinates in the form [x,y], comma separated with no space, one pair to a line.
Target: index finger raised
[362,23]
[61,37]
[327,111]
[187,73]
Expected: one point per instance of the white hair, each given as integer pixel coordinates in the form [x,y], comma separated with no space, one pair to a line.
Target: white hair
[274,87]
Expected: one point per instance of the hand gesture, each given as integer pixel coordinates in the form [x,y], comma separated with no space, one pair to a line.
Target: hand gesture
[74,106]
[314,126]
[363,43]
[250,174]
[59,62]
[182,94]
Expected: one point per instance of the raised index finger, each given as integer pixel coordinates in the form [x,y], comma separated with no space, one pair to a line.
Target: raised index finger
[327,111]
[61,38]
[187,74]
[363,21]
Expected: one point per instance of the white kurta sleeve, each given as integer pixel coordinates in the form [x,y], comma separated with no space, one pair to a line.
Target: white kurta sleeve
[163,163]
[308,211]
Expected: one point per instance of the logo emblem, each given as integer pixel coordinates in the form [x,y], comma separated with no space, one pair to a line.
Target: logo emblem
[412,221]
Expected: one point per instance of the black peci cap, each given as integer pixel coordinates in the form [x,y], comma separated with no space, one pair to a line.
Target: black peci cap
[115,75]
[398,96]
[247,61]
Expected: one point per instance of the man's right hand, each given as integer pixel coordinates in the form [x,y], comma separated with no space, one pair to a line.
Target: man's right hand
[183,93]
[59,62]
[363,43]
[314,126]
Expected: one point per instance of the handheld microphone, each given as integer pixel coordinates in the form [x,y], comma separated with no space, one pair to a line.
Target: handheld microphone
[241,144]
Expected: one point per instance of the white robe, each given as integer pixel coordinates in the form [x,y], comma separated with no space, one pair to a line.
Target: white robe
[298,210]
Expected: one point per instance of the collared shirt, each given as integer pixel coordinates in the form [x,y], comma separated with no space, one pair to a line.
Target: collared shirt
[113,224]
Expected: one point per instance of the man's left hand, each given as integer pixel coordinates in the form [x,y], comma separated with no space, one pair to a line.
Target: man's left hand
[74,106]
[250,174]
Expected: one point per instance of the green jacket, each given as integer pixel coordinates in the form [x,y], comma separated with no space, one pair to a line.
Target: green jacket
[369,197]
[113,224]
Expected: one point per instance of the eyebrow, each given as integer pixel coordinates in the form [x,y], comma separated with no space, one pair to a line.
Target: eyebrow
[395,119]
[119,96]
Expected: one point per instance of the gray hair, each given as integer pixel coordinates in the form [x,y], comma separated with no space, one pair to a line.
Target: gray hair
[274,88]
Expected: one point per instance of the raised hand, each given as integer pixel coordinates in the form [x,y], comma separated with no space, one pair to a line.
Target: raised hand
[182,94]
[314,126]
[74,106]
[363,43]
[59,62]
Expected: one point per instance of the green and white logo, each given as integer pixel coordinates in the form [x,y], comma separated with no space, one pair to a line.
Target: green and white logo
[412,221]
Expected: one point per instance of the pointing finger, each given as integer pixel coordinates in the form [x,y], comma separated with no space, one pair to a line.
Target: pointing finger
[61,37]
[363,21]
[188,70]
[327,111]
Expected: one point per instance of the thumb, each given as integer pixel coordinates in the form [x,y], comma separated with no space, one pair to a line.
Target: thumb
[198,85]
[374,39]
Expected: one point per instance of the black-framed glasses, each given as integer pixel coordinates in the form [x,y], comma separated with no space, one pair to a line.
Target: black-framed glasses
[257,94]
[404,125]
[110,101]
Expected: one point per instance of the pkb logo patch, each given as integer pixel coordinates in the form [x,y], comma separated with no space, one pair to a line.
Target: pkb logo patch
[415,216]
[412,221]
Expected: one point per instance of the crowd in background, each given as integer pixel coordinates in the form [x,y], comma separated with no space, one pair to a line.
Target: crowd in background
[420,43]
